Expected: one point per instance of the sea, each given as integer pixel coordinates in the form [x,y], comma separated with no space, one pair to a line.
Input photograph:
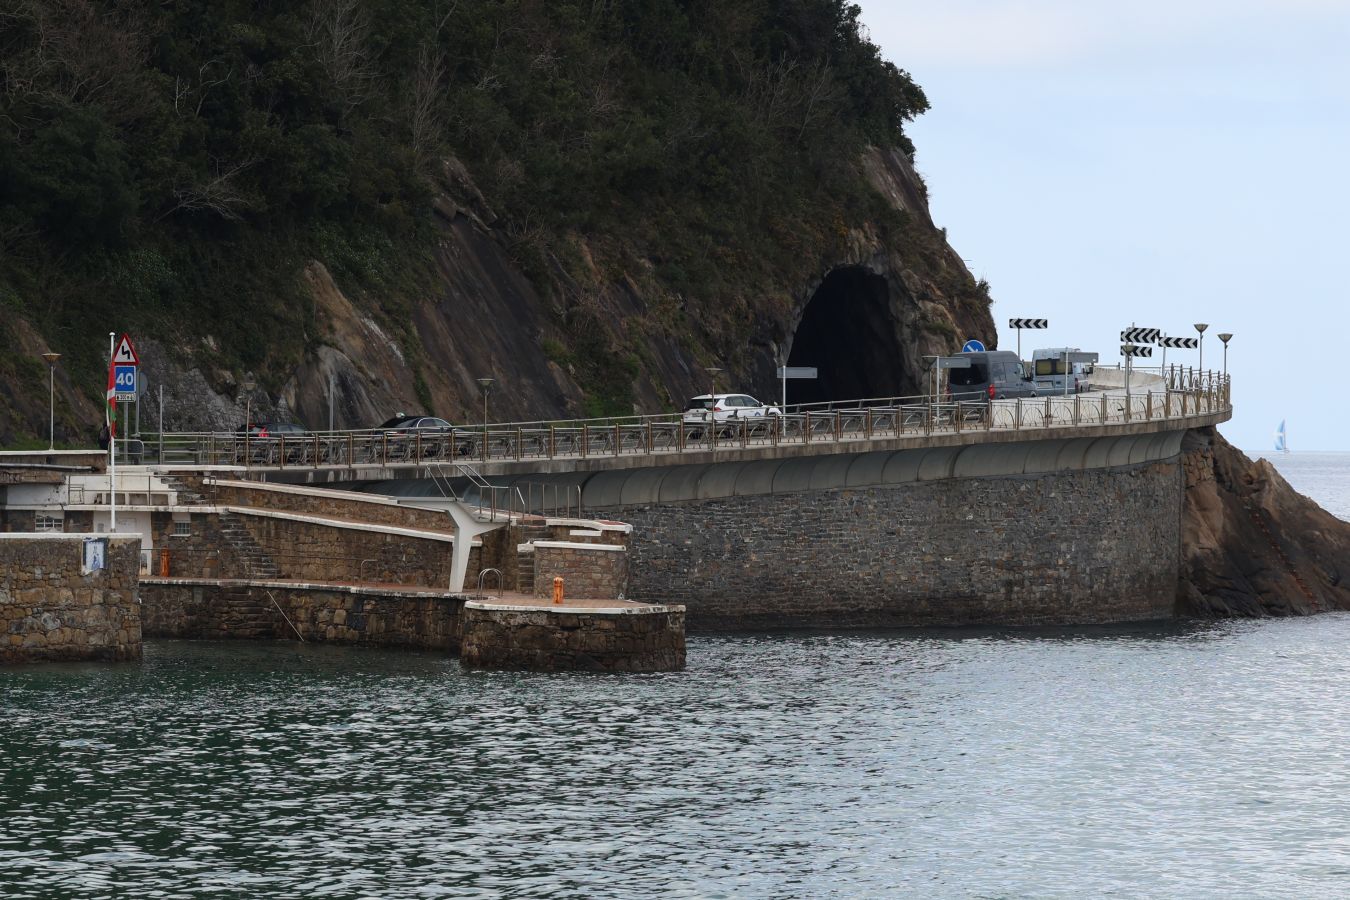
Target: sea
[1169,760]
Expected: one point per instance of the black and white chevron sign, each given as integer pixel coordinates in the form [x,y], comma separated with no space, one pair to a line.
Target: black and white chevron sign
[1140,335]
[1184,343]
[1135,350]
[1028,323]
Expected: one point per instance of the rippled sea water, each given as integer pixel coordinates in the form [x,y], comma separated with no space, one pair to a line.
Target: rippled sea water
[1179,760]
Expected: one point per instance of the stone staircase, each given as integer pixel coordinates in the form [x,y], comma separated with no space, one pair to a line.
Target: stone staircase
[254,561]
[531,530]
[248,613]
[186,496]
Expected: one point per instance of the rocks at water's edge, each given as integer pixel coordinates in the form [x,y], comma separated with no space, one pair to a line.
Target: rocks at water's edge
[1251,544]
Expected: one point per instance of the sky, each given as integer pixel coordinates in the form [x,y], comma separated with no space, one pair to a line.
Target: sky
[1150,163]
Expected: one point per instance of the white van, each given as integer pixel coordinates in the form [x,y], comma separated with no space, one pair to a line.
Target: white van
[1053,376]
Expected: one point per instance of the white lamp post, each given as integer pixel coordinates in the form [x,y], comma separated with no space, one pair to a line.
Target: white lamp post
[51,359]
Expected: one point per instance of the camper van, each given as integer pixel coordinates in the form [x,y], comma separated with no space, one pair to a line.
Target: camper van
[1053,376]
[999,368]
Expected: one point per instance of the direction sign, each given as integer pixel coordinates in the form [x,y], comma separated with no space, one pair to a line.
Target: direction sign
[1182,342]
[1140,335]
[1133,350]
[1028,323]
[124,382]
[972,346]
[797,372]
[125,354]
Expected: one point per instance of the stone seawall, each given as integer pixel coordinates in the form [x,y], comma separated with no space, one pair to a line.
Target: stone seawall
[587,570]
[210,609]
[1081,546]
[619,637]
[51,609]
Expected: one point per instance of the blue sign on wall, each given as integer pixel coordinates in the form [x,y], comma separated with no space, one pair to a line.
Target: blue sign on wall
[124,382]
[972,346]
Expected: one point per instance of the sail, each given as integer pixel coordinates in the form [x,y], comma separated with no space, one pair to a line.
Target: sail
[1280,438]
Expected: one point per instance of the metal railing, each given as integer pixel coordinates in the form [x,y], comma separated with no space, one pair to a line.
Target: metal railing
[1185,393]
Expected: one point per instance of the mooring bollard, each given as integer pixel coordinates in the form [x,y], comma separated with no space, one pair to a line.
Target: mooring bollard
[557,590]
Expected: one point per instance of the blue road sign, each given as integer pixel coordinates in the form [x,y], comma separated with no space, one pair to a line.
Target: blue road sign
[124,382]
[972,346]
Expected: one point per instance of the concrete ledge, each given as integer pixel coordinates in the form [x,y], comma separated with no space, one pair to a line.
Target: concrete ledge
[366,589]
[308,519]
[578,545]
[629,607]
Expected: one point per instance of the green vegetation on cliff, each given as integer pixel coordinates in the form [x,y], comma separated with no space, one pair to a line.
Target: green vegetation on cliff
[172,166]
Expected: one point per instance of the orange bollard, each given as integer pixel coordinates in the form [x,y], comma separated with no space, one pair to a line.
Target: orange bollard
[557,590]
[164,562]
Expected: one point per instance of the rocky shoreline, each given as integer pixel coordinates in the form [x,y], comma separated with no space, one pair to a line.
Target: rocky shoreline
[1252,546]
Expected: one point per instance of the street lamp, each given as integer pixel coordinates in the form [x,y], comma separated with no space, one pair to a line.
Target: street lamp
[485,384]
[1225,337]
[51,359]
[247,387]
[713,372]
[1200,327]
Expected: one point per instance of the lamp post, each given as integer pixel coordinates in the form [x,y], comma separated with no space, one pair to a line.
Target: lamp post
[51,359]
[247,387]
[1200,327]
[1225,336]
[485,384]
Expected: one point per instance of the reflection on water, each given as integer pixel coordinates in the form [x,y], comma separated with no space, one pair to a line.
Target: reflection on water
[1166,761]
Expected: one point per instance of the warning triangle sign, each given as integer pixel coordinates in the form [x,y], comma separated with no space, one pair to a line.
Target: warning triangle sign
[125,354]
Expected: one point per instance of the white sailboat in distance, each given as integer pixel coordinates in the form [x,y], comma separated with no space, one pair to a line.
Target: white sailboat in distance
[1281,439]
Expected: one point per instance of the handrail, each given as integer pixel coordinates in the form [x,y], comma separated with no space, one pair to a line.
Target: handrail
[1184,393]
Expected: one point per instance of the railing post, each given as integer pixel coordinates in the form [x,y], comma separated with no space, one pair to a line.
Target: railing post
[1148,406]
[1017,415]
[956,420]
[867,423]
[679,437]
[1183,405]
[520,439]
[989,415]
[1076,405]
[585,440]
[618,438]
[838,426]
[806,428]
[651,436]
[1102,415]
[552,442]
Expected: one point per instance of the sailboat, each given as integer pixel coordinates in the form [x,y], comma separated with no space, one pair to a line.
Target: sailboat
[1281,441]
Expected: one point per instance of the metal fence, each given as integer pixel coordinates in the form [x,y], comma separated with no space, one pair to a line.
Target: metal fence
[1184,394]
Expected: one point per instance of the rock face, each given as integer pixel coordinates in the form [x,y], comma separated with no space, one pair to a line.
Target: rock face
[1251,544]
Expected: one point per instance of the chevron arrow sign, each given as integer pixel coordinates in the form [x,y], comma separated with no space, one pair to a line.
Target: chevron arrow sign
[1028,323]
[1133,350]
[1140,335]
[1182,342]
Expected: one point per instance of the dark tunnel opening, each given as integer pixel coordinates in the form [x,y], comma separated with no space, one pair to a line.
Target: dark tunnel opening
[847,333]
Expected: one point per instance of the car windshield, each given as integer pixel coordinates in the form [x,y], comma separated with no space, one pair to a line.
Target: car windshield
[396,421]
[976,374]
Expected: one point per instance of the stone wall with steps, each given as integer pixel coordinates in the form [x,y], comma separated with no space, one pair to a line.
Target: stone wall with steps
[209,609]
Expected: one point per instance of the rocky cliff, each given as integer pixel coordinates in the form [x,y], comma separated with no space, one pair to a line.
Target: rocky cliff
[1252,545]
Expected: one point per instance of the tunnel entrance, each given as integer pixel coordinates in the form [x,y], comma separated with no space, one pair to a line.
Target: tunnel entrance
[848,334]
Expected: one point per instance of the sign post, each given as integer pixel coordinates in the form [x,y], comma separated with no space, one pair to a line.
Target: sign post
[1019,324]
[786,372]
[122,365]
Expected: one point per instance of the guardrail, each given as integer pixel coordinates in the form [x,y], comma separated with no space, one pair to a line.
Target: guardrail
[1187,394]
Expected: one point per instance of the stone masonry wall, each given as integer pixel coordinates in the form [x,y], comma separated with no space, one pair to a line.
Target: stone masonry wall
[50,610]
[595,574]
[316,552]
[333,506]
[1090,546]
[550,641]
[214,610]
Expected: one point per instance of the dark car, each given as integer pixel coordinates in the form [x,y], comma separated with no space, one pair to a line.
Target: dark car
[411,437]
[265,440]
[415,423]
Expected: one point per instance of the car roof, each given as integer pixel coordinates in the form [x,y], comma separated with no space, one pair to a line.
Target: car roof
[720,396]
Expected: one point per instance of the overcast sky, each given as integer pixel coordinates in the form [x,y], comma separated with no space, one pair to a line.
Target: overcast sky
[1157,163]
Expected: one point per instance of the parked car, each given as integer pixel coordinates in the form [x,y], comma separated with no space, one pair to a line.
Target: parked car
[272,429]
[725,407]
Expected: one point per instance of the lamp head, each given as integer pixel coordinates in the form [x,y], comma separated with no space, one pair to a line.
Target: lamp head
[1225,336]
[485,383]
[1201,326]
[248,386]
[51,357]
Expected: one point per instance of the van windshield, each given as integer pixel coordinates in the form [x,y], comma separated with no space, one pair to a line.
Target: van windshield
[976,374]
[1050,366]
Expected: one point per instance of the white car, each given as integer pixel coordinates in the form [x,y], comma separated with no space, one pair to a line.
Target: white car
[726,407]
